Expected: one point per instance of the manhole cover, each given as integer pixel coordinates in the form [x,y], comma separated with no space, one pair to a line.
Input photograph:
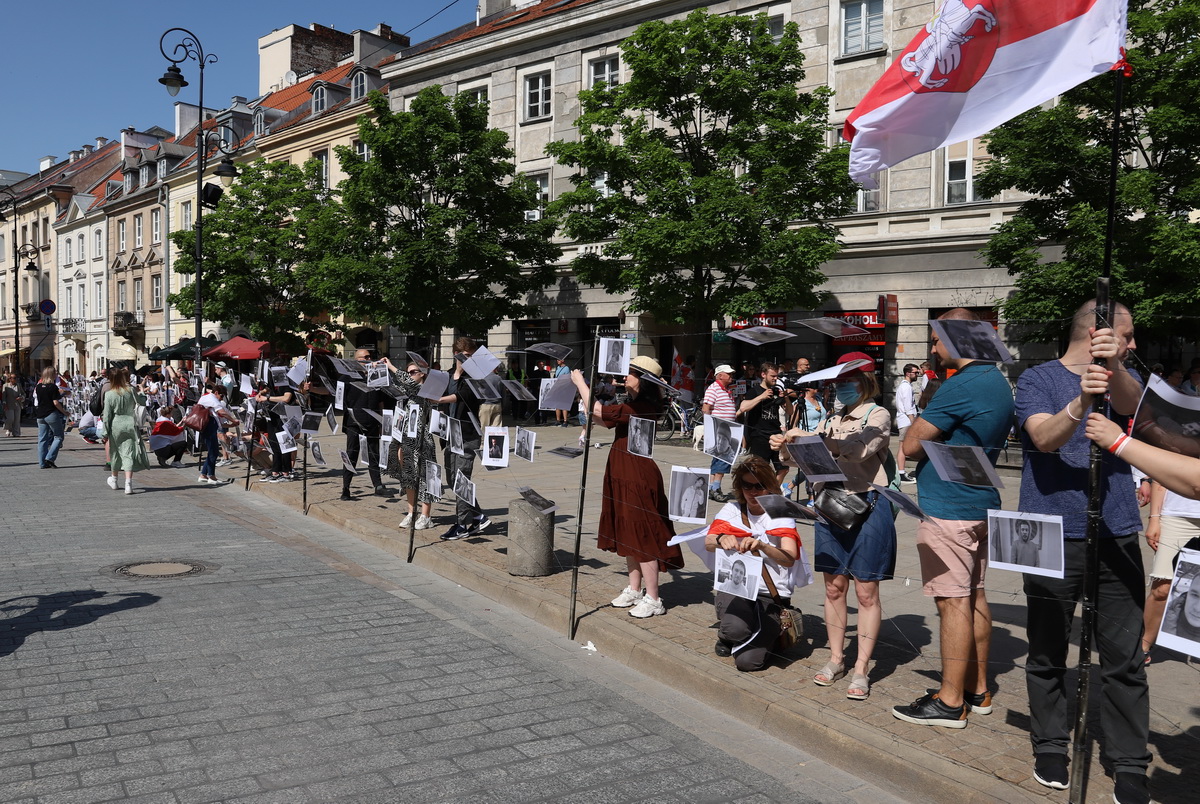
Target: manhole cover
[161,569]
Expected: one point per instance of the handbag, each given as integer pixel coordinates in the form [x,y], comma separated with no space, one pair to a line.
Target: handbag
[197,418]
[790,620]
[843,509]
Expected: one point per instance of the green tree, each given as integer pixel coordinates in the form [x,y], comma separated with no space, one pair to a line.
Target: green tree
[431,230]
[255,251]
[1062,156]
[707,176]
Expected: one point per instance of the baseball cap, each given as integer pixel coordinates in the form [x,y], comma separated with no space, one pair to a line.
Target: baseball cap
[724,368]
[868,366]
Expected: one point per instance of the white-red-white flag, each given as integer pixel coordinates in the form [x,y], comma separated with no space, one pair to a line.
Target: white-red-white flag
[976,65]
[676,369]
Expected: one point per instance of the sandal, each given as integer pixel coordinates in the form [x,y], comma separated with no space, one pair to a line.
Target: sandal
[828,675]
[859,682]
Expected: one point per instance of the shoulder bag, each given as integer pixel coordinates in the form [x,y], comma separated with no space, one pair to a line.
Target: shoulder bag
[197,417]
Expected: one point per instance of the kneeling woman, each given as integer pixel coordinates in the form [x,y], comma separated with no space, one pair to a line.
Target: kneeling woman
[750,628]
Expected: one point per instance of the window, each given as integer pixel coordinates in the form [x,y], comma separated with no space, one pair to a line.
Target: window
[3,251]
[537,96]
[542,180]
[138,297]
[99,311]
[358,86]
[477,94]
[121,296]
[185,215]
[318,101]
[156,300]
[862,26]
[3,301]
[606,72]
[80,257]
[36,241]
[129,184]
[322,158]
[24,233]
[775,27]
[600,182]
[162,168]
[156,226]
[97,244]
[144,175]
[82,300]
[870,200]
[68,297]
[67,251]
[363,150]
[137,231]
[121,235]
[260,123]
[964,161]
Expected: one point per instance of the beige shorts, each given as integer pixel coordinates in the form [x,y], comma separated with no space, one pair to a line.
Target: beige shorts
[1175,533]
[953,555]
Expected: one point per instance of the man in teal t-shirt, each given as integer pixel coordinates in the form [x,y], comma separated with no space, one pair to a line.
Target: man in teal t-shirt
[974,407]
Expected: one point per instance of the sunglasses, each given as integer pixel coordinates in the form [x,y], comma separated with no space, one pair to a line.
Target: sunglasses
[414,371]
[747,486]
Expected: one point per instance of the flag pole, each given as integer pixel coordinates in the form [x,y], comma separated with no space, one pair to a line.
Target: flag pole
[1081,759]
[587,452]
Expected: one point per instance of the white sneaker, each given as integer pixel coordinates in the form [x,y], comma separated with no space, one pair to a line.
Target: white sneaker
[647,607]
[112,482]
[424,522]
[404,523]
[129,487]
[202,479]
[627,598]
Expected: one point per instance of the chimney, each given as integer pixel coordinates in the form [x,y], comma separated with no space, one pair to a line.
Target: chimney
[101,142]
[73,155]
[87,150]
[46,162]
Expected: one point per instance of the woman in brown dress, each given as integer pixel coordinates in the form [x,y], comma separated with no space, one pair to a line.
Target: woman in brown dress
[633,513]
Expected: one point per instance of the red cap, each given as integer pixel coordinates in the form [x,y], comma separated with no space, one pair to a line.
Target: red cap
[868,367]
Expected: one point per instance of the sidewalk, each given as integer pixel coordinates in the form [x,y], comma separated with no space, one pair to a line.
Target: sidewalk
[988,761]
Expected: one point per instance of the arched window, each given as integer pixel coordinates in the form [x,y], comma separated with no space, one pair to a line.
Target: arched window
[260,122]
[318,101]
[358,86]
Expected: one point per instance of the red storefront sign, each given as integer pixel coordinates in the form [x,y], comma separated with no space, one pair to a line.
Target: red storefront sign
[866,319]
[777,320]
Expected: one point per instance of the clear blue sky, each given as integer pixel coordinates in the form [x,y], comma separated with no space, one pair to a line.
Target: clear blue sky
[71,71]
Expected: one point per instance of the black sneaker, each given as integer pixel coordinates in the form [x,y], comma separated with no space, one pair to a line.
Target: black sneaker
[1051,770]
[929,710]
[716,495]
[723,648]
[481,523]
[455,533]
[1130,788]
[345,495]
[980,702]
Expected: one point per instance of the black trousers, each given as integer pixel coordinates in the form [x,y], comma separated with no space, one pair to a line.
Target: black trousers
[739,618]
[352,434]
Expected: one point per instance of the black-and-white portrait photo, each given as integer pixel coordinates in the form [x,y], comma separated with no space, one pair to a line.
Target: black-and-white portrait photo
[641,437]
[412,424]
[614,356]
[495,446]
[464,489]
[318,455]
[524,443]
[433,478]
[557,351]
[1022,542]
[385,429]
[456,437]
[439,424]
[310,422]
[1168,418]
[760,336]
[377,375]
[1180,628]
[339,395]
[688,500]
[536,500]
[722,438]
[347,464]
[293,426]
[385,448]
[815,460]
[962,463]
[971,340]
[737,574]
[279,378]
[287,442]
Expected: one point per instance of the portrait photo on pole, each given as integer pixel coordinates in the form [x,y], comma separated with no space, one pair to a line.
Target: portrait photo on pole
[385,428]
[525,441]
[760,336]
[298,373]
[495,446]
[287,442]
[439,424]
[614,356]
[331,417]
[378,375]
[688,500]
[539,502]
[737,574]
[363,451]
[339,395]
[310,422]
[1180,628]
[456,437]
[814,459]
[519,391]
[347,464]
[1168,419]
[293,425]
[641,436]
[962,463]
[1022,542]
[464,489]
[246,386]
[385,447]
[722,438]
[902,502]
[433,478]
[557,394]
[318,456]
[971,340]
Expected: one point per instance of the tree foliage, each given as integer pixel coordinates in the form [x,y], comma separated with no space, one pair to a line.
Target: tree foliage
[431,230]
[695,173]
[255,251]
[1062,155]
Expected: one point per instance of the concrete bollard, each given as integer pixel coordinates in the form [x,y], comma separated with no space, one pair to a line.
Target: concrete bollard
[531,540]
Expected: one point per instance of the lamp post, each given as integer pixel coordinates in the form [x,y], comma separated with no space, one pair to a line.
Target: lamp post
[23,251]
[189,47]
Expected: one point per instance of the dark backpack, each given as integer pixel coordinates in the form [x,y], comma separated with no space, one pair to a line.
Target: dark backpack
[96,406]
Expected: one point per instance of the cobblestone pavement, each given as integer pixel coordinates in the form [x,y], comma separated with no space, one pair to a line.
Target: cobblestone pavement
[988,761]
[305,665]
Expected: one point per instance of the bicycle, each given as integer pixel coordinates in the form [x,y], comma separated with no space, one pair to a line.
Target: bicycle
[676,417]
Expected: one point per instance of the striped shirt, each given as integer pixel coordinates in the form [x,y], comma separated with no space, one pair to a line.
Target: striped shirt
[721,400]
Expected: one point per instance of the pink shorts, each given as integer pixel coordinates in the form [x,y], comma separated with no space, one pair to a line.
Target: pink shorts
[953,555]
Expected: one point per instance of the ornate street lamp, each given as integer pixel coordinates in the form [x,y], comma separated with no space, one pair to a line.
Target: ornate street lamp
[189,47]
[24,251]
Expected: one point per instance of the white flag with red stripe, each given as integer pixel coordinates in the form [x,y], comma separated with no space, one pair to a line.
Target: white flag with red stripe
[976,65]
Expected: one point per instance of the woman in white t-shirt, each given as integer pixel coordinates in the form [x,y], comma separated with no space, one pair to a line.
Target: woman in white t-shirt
[1174,521]
[749,629]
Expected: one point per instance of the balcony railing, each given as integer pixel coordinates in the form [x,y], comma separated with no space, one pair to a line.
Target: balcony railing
[69,326]
[125,321]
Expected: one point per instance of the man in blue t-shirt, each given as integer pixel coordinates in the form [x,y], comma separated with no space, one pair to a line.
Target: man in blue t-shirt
[973,408]
[1051,400]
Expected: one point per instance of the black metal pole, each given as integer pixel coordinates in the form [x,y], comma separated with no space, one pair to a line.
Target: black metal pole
[1080,755]
[587,452]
